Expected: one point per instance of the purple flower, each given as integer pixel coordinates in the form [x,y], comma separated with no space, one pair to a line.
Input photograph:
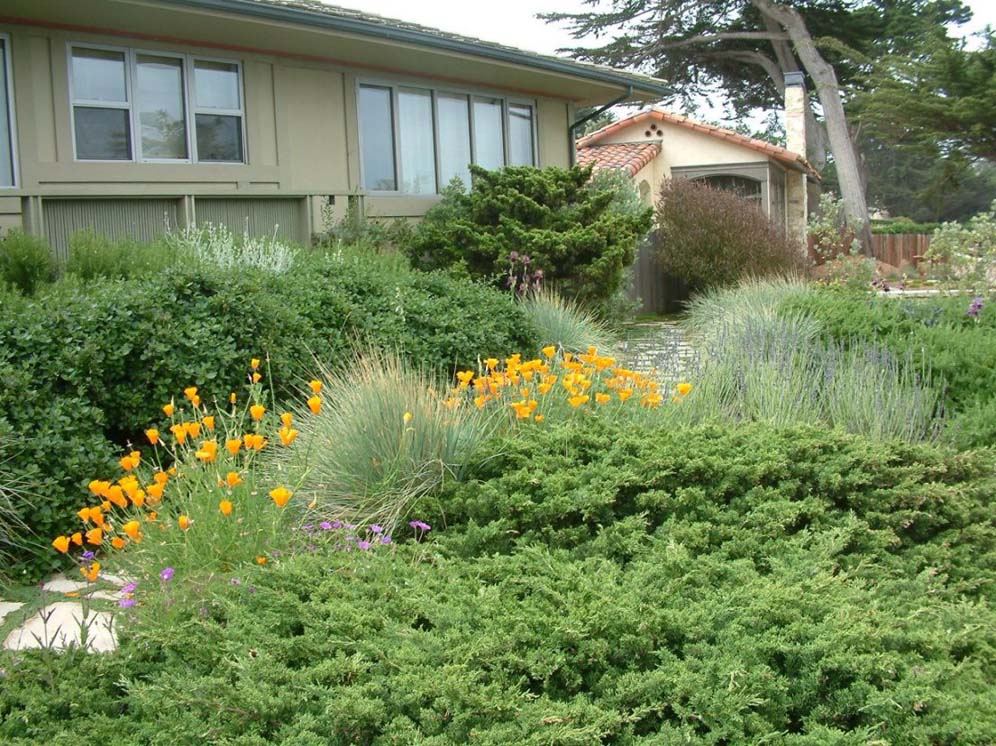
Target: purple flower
[126,603]
[307,527]
[235,581]
[350,538]
[385,539]
[325,526]
[128,588]
[526,259]
[88,555]
[166,575]
[513,256]
[337,524]
[420,525]
[364,545]
[376,529]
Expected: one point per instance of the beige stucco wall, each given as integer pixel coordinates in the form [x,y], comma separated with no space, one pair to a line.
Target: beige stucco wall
[301,133]
[681,147]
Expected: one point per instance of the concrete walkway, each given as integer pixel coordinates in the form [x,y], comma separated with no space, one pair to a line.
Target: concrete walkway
[66,616]
[658,345]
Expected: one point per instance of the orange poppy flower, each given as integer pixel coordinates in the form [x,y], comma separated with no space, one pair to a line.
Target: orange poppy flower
[261,560]
[287,435]
[116,495]
[169,409]
[232,479]
[603,398]
[316,386]
[193,429]
[684,388]
[315,405]
[61,543]
[257,411]
[95,536]
[233,446]
[77,539]
[161,477]
[153,435]
[578,400]
[99,488]
[549,351]
[225,506]
[286,419]
[209,422]
[155,491]
[190,392]
[118,543]
[232,398]
[280,496]
[132,528]
[256,377]
[184,522]
[254,363]
[91,572]
[208,451]
[179,432]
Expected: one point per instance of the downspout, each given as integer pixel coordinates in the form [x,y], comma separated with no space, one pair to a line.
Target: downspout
[598,112]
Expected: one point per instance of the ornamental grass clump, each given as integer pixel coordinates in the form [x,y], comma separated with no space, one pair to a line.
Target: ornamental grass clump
[195,499]
[384,438]
[564,322]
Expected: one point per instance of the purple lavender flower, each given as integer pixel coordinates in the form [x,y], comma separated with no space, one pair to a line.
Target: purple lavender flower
[88,555]
[126,603]
[376,529]
[364,545]
[167,574]
[976,307]
[337,524]
[420,525]
[307,527]
[325,526]
[385,539]
[128,588]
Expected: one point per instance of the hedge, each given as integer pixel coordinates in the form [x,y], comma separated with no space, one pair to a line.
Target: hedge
[595,585]
[87,367]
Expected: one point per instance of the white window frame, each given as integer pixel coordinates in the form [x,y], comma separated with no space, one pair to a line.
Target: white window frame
[188,62]
[395,85]
[7,60]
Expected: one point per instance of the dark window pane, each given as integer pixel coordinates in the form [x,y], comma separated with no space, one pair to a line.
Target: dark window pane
[219,138]
[102,134]
[377,136]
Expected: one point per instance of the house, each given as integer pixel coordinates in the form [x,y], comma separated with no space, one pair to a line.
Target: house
[655,145]
[128,116]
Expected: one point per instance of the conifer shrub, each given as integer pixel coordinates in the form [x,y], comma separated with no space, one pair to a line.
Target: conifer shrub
[577,234]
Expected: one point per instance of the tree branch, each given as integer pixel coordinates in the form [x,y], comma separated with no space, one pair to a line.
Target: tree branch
[762,60]
[726,36]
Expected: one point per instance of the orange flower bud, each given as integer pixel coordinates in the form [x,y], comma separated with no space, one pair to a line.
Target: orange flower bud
[254,363]
[184,522]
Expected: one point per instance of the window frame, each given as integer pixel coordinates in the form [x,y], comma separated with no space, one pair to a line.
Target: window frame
[6,59]
[395,85]
[188,66]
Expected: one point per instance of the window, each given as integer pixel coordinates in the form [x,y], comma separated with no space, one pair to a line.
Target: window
[377,135]
[417,140]
[7,146]
[453,116]
[150,106]
[520,135]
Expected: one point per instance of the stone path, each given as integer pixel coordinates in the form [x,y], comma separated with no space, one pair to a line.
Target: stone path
[63,619]
[660,346]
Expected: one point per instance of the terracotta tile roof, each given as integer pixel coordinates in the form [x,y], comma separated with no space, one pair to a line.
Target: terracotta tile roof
[628,156]
[780,154]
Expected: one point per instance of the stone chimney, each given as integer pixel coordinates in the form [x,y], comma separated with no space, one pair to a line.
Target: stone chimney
[796,191]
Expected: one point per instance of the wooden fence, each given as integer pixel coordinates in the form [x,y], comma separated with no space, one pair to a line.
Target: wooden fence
[662,294]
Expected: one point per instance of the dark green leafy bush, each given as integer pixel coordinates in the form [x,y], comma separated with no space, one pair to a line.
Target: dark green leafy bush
[598,585]
[93,256]
[26,262]
[959,349]
[87,367]
[708,237]
[580,234]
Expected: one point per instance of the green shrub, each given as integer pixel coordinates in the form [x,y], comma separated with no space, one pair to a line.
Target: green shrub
[709,237]
[966,253]
[26,262]
[93,256]
[900,226]
[86,367]
[596,585]
[579,234]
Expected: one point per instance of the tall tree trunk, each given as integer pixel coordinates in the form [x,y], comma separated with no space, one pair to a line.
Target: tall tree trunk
[828,90]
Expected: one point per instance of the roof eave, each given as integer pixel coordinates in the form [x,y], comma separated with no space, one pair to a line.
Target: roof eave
[643,87]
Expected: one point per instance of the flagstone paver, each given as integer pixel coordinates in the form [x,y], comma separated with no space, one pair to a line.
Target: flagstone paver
[8,607]
[60,625]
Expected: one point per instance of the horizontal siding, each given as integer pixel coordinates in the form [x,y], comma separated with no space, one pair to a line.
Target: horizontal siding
[258,217]
[137,219]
